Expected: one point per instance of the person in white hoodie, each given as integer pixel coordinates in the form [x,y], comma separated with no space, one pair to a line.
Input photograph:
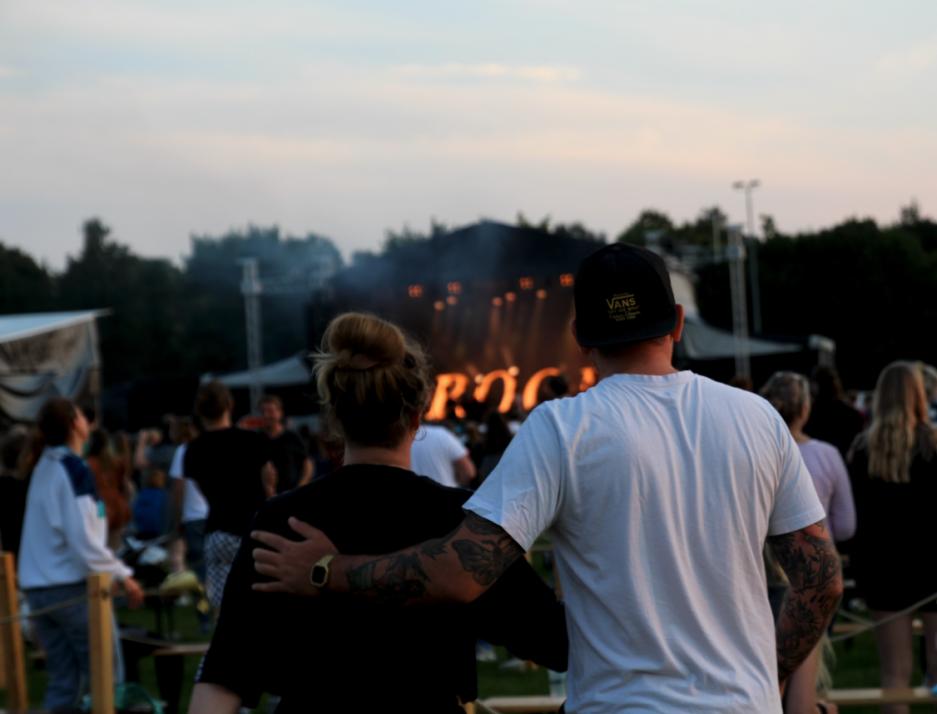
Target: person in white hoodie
[64,540]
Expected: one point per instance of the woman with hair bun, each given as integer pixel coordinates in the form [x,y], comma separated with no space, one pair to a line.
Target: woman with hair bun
[335,654]
[893,465]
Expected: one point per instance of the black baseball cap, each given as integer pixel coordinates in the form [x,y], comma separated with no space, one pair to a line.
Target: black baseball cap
[623,295]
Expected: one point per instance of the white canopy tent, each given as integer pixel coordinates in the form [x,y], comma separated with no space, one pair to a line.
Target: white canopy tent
[703,341]
[287,372]
[45,355]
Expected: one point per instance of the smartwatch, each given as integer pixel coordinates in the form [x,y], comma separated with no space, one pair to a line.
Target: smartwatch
[319,575]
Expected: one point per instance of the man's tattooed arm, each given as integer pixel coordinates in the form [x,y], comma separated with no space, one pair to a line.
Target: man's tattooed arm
[811,563]
[459,566]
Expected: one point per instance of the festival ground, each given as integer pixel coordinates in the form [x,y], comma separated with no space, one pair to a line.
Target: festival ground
[856,667]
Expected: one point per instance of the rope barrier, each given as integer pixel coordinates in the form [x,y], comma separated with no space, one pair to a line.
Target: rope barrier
[43,611]
[153,592]
[885,620]
[855,618]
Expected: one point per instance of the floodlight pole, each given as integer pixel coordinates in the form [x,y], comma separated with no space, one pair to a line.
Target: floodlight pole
[251,289]
[736,256]
[747,187]
[718,225]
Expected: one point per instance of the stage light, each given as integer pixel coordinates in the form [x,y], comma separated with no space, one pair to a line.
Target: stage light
[567,280]
[497,301]
[454,288]
[415,291]
[510,297]
[439,306]
[513,370]
[460,411]
[526,283]
[541,294]
[452,299]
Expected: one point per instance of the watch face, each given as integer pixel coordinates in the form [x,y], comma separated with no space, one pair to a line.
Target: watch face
[318,575]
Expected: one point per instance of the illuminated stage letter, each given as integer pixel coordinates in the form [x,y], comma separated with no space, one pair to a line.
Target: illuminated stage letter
[587,378]
[448,386]
[510,389]
[532,388]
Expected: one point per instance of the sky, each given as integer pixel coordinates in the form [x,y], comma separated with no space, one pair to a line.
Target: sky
[172,118]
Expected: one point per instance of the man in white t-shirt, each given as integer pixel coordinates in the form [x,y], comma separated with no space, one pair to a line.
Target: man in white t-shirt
[659,489]
[438,453]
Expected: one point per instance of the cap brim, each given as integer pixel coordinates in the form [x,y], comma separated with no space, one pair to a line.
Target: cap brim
[648,332]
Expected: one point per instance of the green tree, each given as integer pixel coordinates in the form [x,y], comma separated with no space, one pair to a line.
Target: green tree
[649,225]
[25,286]
[142,336]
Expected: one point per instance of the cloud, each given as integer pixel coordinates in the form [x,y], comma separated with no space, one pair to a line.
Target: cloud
[6,72]
[491,70]
[909,62]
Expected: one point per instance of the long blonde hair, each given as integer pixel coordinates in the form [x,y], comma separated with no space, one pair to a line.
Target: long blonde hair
[373,381]
[900,426]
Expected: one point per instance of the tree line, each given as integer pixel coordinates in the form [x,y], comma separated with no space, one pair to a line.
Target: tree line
[870,287]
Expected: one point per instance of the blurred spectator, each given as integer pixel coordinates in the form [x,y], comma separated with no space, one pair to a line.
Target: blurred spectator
[13,486]
[929,374]
[288,452]
[742,381]
[831,418]
[789,393]
[156,447]
[189,508]
[555,387]
[437,453]
[122,454]
[151,506]
[497,437]
[64,541]
[894,471]
[232,469]
[112,490]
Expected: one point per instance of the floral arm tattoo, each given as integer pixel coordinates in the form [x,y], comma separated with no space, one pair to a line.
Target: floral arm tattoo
[811,563]
[459,566]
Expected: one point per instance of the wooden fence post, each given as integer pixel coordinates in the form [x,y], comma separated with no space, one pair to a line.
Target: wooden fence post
[101,640]
[11,637]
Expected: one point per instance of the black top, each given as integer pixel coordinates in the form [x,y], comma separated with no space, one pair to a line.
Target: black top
[892,549]
[339,653]
[226,464]
[288,453]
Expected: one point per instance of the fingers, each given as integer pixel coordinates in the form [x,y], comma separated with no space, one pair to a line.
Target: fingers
[273,587]
[272,571]
[272,540]
[262,555]
[303,528]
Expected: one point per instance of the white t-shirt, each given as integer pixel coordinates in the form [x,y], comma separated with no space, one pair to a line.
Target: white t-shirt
[434,452]
[194,505]
[659,492]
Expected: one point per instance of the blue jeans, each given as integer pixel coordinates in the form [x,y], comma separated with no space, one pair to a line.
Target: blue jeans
[63,634]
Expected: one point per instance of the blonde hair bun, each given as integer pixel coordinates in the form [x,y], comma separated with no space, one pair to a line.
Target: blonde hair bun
[360,342]
[373,381]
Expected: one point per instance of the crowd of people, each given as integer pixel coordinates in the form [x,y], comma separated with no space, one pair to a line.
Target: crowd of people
[695,525]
